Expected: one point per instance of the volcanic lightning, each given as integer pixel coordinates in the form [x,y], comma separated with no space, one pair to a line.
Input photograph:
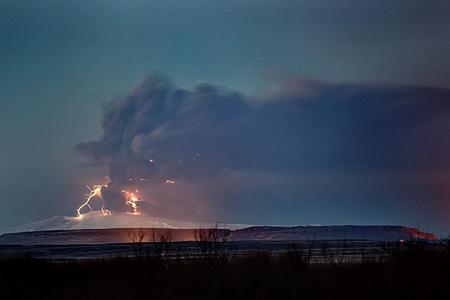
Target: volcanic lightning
[131,198]
[105,212]
[94,192]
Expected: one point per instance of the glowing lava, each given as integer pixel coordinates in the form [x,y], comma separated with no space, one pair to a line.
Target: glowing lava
[131,200]
[94,192]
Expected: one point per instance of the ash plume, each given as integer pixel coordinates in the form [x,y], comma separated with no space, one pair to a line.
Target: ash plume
[214,152]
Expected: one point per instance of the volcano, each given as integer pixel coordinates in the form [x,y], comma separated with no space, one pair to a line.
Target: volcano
[96,220]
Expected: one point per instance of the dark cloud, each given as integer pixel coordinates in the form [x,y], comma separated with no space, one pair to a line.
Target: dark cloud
[305,144]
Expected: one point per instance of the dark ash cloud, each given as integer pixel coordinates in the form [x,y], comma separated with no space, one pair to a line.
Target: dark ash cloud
[371,148]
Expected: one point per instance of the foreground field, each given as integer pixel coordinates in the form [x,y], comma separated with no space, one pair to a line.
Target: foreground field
[411,270]
[315,251]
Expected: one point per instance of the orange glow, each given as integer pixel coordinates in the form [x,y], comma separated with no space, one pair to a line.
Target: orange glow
[131,200]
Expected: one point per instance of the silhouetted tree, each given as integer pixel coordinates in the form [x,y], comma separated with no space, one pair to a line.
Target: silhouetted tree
[211,242]
[137,237]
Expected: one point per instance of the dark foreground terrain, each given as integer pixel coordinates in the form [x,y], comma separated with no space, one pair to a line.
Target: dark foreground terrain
[409,270]
[317,251]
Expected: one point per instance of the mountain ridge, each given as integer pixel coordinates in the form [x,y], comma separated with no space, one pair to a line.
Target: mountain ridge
[251,233]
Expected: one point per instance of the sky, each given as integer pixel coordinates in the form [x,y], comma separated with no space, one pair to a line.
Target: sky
[337,111]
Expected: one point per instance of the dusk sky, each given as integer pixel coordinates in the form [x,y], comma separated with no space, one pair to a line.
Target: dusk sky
[263,112]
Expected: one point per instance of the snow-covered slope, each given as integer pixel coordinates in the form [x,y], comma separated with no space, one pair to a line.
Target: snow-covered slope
[95,220]
[351,232]
[63,230]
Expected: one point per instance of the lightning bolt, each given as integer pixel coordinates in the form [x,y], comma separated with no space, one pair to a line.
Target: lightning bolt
[94,192]
[106,212]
